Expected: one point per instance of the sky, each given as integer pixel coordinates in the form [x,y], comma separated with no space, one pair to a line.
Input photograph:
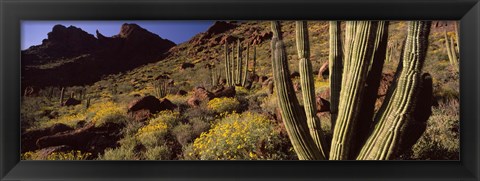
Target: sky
[33,32]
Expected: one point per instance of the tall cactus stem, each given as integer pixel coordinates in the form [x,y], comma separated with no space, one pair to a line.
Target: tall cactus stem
[62,92]
[354,77]
[308,88]
[336,67]
[293,116]
[397,113]
[245,72]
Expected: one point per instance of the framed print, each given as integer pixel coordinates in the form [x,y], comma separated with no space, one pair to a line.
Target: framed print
[201,90]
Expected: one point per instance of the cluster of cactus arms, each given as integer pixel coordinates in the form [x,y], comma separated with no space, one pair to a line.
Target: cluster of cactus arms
[236,70]
[452,50]
[358,132]
[161,88]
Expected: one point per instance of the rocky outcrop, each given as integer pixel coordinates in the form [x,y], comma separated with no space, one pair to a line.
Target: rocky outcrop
[143,108]
[71,102]
[224,92]
[89,138]
[29,138]
[70,52]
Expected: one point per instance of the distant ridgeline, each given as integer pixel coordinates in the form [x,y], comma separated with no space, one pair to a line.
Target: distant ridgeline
[71,56]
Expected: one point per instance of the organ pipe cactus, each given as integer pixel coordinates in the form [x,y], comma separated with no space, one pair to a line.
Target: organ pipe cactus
[365,51]
[308,88]
[452,51]
[161,88]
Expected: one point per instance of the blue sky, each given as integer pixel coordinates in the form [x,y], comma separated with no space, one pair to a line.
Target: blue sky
[33,32]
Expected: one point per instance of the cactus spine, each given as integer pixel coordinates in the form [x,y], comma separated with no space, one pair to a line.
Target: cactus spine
[335,66]
[308,88]
[292,115]
[395,114]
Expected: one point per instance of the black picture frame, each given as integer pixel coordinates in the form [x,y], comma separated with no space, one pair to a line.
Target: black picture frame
[12,12]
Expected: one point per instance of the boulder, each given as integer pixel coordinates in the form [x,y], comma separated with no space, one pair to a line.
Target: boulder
[187,65]
[322,104]
[141,109]
[193,102]
[323,72]
[294,74]
[225,92]
[29,138]
[71,102]
[89,138]
[182,92]
[202,94]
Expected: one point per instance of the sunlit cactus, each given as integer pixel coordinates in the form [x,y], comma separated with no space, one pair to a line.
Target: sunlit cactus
[308,87]
[397,113]
[365,53]
[293,116]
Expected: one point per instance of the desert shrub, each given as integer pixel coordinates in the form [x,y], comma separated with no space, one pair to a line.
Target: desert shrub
[107,112]
[70,155]
[199,126]
[224,104]
[241,91]
[153,134]
[156,131]
[254,101]
[126,151]
[269,103]
[441,140]
[186,133]
[183,133]
[247,136]
[162,152]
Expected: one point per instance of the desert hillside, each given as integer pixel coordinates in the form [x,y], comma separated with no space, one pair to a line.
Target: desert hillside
[138,96]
